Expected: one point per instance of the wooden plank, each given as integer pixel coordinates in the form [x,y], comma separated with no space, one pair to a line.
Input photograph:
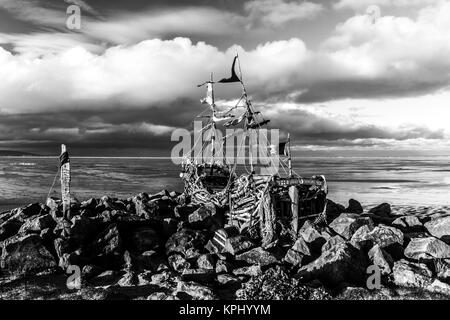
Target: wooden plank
[293,194]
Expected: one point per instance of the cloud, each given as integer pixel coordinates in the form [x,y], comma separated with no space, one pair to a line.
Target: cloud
[363,4]
[275,13]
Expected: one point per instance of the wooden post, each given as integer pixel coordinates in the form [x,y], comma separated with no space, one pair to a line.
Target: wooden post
[65,183]
[293,194]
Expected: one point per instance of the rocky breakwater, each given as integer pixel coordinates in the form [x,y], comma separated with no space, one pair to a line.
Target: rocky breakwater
[158,247]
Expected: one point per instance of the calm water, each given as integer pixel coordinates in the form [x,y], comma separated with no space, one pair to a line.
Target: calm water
[399,181]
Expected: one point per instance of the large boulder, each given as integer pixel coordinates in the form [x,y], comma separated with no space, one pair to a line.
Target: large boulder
[354,207]
[333,210]
[427,249]
[382,235]
[440,228]
[107,248]
[383,210]
[410,274]
[408,224]
[333,241]
[347,223]
[443,269]
[382,259]
[312,236]
[38,224]
[9,228]
[258,256]
[341,264]
[185,239]
[26,255]
[298,254]
[82,230]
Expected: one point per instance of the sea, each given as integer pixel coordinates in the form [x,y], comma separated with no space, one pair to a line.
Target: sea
[401,181]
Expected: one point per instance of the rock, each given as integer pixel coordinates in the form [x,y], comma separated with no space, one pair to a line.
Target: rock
[333,241]
[106,278]
[354,207]
[427,249]
[195,291]
[159,296]
[408,224]
[382,259]
[258,256]
[409,274]
[9,228]
[38,224]
[185,239]
[198,275]
[382,235]
[333,210]
[107,247]
[205,261]
[26,255]
[347,224]
[61,247]
[129,279]
[178,262]
[183,211]
[248,271]
[31,210]
[439,287]
[383,210]
[90,271]
[82,230]
[226,280]
[299,252]
[74,258]
[223,266]
[238,244]
[312,237]
[440,228]
[275,284]
[204,218]
[442,267]
[144,239]
[341,264]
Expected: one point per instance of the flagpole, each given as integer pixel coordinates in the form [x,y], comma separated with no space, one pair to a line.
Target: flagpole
[213,129]
[289,155]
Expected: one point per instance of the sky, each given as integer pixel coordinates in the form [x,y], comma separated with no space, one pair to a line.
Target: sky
[343,77]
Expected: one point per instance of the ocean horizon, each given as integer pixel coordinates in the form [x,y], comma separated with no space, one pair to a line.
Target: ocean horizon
[402,181]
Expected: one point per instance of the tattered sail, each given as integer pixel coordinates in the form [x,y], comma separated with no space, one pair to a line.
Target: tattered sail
[65,179]
[234,77]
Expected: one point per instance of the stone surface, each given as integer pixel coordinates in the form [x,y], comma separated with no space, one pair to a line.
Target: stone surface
[248,271]
[427,249]
[26,255]
[347,224]
[198,275]
[408,224]
[333,241]
[383,210]
[205,261]
[195,291]
[9,228]
[440,228]
[298,253]
[38,224]
[382,259]
[354,207]
[342,263]
[238,244]
[258,256]
[409,274]
[382,235]
[185,239]
[178,262]
[312,236]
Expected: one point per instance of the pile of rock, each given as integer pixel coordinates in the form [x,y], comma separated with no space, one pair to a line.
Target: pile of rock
[157,247]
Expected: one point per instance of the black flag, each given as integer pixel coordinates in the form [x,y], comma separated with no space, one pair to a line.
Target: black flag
[64,158]
[234,77]
[282,150]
